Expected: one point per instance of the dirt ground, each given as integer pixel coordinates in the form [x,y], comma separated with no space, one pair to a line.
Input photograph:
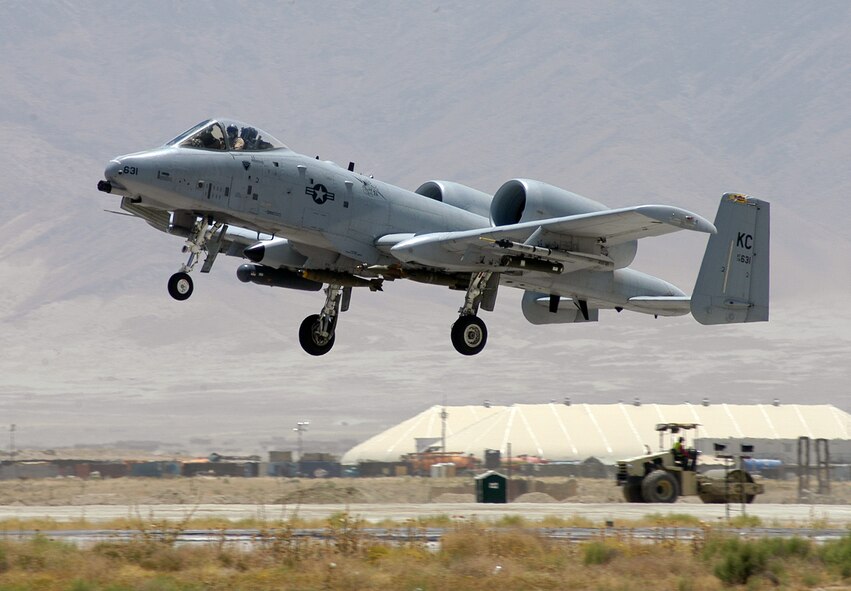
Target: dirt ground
[225,490]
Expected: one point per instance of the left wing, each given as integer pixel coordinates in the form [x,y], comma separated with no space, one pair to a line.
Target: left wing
[611,227]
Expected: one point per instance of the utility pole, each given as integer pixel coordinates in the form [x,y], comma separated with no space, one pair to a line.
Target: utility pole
[300,428]
[443,416]
[12,450]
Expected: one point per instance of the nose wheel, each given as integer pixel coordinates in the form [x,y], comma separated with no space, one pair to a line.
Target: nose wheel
[180,286]
[469,335]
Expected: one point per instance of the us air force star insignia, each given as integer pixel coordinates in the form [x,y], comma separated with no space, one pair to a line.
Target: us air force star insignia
[319,193]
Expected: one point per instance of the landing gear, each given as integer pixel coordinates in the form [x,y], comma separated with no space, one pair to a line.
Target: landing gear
[469,333]
[316,333]
[314,340]
[180,285]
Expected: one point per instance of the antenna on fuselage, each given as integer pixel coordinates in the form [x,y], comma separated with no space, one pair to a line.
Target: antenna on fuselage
[351,166]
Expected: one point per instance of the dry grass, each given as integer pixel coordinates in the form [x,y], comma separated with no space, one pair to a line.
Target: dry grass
[471,557]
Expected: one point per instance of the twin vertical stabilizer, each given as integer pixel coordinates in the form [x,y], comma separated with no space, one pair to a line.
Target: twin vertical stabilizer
[732,285]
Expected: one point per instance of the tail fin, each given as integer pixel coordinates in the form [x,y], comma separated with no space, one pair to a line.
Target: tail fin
[732,285]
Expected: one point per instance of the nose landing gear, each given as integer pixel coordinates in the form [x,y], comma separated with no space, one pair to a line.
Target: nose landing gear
[180,286]
[204,232]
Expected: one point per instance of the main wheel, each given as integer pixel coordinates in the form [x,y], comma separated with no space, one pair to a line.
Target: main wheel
[180,286]
[310,338]
[659,487]
[469,335]
[632,492]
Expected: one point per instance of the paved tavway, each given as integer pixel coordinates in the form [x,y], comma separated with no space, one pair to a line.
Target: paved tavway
[832,515]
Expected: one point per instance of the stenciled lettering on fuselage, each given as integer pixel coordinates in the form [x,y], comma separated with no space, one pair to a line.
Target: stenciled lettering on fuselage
[371,189]
[744,241]
[319,193]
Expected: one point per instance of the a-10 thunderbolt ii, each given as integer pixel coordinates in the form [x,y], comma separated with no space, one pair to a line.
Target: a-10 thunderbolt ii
[304,223]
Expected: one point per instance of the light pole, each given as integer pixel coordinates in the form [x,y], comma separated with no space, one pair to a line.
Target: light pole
[300,428]
[12,450]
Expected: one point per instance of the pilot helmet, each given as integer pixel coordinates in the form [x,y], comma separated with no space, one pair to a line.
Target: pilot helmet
[249,133]
[232,130]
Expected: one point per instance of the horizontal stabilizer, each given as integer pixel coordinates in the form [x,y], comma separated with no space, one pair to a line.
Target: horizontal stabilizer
[732,285]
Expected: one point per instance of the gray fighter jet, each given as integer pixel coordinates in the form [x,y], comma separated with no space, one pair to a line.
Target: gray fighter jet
[229,187]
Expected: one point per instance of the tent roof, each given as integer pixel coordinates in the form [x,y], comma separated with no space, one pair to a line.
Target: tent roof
[606,431]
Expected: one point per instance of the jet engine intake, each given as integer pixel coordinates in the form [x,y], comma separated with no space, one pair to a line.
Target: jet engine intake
[524,200]
[457,195]
[262,275]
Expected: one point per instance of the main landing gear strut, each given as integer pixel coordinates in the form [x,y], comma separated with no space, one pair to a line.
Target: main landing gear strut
[316,333]
[206,235]
[469,333]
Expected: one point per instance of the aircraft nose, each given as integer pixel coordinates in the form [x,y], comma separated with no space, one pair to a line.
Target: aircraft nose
[111,174]
[112,170]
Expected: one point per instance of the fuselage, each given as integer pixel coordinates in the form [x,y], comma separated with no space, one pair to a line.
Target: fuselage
[284,193]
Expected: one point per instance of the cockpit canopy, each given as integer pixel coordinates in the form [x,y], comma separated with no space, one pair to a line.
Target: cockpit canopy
[226,135]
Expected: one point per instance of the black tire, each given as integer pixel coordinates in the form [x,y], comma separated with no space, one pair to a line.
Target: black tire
[180,286]
[632,493]
[310,339]
[659,487]
[469,335]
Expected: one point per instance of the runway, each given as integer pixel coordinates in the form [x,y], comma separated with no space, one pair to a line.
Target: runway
[769,514]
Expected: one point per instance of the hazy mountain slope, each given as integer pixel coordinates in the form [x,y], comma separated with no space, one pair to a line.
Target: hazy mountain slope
[625,103]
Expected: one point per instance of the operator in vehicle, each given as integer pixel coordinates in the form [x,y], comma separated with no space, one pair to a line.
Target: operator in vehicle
[679,452]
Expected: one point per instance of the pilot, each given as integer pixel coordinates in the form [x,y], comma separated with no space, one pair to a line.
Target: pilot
[249,135]
[236,143]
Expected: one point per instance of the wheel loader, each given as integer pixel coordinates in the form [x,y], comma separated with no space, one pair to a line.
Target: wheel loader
[671,472]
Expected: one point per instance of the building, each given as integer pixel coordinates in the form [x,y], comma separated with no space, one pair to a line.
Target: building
[609,432]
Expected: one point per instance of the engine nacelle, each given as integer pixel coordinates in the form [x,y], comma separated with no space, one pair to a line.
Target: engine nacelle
[262,275]
[277,252]
[524,200]
[536,309]
[457,195]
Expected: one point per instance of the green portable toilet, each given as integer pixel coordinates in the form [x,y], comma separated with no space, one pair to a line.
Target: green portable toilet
[491,487]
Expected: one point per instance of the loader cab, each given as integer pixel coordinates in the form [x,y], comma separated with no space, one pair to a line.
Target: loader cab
[679,439]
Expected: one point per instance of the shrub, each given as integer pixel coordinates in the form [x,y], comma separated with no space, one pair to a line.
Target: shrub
[837,555]
[745,521]
[598,553]
[739,562]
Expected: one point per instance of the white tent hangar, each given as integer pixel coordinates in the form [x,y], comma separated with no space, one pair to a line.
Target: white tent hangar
[609,432]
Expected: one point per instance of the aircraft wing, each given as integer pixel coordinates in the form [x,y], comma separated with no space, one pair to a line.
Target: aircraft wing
[613,226]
